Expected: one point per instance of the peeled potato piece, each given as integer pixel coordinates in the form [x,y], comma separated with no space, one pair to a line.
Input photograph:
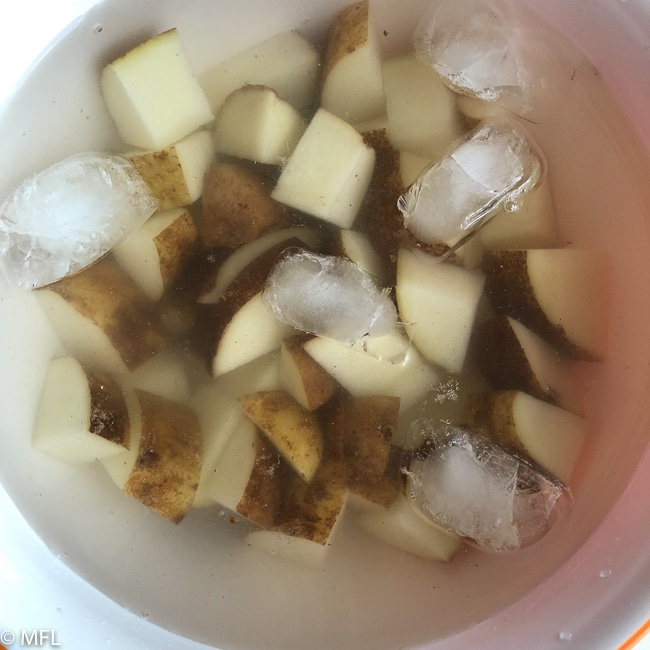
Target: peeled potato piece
[103,318]
[82,415]
[255,124]
[156,254]
[405,528]
[163,465]
[292,429]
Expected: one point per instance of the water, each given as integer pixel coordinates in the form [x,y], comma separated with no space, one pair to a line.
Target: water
[599,182]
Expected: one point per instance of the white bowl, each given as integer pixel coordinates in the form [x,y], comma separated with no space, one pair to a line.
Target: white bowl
[587,580]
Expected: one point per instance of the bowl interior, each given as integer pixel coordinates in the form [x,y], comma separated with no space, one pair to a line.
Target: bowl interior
[198,579]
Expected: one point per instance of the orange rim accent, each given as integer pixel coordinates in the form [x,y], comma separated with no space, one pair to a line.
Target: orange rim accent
[636,637]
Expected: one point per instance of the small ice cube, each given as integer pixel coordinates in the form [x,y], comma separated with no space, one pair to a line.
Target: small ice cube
[329,296]
[69,215]
[485,49]
[480,491]
[489,169]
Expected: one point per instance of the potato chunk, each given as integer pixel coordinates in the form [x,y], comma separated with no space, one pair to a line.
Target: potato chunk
[152,94]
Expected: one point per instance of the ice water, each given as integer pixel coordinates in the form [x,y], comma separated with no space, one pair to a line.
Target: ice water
[371,594]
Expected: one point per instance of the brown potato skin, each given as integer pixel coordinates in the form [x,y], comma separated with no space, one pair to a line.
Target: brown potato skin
[237,207]
[177,247]
[347,32]
[109,416]
[168,466]
[104,294]
[503,361]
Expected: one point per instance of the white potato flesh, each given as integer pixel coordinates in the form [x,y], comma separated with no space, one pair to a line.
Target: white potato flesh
[164,374]
[152,94]
[140,256]
[329,172]
[221,418]
[175,174]
[79,335]
[411,166]
[353,86]
[391,366]
[63,426]
[251,333]
[403,527]
[356,247]
[287,62]
[551,436]
[246,253]
[254,123]
[569,287]
[438,304]
[422,114]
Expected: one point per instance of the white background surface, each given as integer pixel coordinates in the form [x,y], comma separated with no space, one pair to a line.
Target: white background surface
[37,591]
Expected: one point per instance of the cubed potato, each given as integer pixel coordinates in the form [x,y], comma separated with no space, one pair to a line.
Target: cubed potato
[237,207]
[352,86]
[175,174]
[82,415]
[287,62]
[254,123]
[158,252]
[329,171]
[422,114]
[152,94]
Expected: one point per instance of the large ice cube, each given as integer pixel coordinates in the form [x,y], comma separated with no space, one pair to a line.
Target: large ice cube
[69,215]
[478,490]
[329,296]
[489,169]
[487,49]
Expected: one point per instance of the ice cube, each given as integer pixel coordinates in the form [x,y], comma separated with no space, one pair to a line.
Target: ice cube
[69,215]
[489,169]
[487,49]
[477,489]
[329,296]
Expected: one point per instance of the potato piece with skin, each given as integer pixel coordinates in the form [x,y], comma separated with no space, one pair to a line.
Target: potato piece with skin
[329,171]
[103,318]
[238,260]
[379,218]
[237,207]
[255,124]
[549,435]
[306,381]
[175,174]
[221,419]
[152,94]
[163,465]
[558,293]
[352,84]
[422,114]
[238,329]
[389,365]
[286,62]
[292,429]
[512,357]
[81,416]
[437,302]
[158,252]
[403,527]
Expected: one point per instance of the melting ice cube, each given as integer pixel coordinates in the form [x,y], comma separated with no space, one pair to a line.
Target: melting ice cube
[489,169]
[69,215]
[480,491]
[487,49]
[329,296]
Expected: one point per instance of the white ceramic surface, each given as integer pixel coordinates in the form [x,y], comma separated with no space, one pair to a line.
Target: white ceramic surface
[195,578]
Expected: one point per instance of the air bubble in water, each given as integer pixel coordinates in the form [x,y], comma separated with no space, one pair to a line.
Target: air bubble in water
[565,636]
[605,573]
